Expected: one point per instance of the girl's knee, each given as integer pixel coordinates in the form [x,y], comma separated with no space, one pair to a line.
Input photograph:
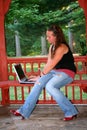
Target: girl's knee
[39,84]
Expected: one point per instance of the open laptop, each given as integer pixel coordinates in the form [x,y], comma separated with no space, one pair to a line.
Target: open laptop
[22,78]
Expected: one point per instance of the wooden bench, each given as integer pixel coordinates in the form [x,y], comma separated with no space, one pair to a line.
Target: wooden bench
[38,62]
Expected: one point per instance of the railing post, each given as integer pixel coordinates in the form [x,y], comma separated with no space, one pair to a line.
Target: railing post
[4,93]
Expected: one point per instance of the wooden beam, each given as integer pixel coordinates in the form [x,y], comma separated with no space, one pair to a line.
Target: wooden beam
[4,5]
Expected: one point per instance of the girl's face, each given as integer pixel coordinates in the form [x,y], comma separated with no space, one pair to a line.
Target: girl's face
[51,38]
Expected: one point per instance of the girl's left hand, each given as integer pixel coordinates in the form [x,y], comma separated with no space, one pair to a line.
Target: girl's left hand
[34,78]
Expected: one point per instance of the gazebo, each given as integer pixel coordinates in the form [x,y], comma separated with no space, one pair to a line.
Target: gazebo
[4,7]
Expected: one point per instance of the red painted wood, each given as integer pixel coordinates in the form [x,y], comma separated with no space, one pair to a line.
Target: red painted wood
[3,57]
[80,83]
[4,6]
[83,4]
[30,66]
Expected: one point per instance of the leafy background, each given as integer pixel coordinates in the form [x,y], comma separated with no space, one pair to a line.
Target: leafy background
[30,18]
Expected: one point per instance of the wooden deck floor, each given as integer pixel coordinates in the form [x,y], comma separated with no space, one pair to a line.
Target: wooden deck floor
[44,117]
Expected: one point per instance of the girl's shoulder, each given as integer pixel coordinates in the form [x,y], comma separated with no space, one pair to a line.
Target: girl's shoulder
[63,48]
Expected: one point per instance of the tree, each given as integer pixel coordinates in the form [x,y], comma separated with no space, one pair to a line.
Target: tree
[43,45]
[34,17]
[17,41]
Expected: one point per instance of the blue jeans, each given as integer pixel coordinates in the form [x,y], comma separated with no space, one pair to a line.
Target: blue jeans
[52,82]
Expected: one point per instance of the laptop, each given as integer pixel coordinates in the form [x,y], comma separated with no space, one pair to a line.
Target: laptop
[22,78]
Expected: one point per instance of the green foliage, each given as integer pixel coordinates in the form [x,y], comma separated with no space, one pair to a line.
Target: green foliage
[83,47]
[36,48]
[31,18]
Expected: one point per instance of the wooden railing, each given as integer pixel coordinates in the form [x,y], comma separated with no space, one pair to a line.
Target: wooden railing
[12,92]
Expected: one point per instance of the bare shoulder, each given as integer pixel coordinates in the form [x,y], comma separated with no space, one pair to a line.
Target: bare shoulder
[64,48]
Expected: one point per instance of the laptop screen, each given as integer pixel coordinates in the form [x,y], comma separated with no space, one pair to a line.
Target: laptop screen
[19,71]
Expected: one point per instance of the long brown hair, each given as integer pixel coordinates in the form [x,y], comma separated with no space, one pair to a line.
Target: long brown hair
[58,33]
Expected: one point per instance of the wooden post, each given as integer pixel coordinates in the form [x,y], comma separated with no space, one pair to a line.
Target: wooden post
[4,6]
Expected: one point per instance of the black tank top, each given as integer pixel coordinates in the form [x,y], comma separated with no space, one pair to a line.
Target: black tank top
[67,62]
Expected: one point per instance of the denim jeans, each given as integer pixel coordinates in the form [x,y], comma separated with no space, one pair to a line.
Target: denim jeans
[52,82]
